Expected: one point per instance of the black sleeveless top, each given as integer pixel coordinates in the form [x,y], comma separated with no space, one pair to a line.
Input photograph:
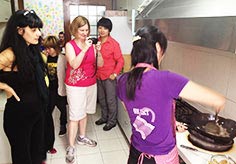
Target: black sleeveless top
[27,91]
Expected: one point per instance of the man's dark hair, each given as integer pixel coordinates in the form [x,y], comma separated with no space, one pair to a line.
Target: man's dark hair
[105,22]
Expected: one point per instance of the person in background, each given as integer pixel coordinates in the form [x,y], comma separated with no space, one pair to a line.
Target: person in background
[106,75]
[62,41]
[52,49]
[148,93]
[22,77]
[61,74]
[81,87]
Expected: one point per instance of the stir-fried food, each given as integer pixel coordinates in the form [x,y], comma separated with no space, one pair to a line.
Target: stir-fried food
[224,161]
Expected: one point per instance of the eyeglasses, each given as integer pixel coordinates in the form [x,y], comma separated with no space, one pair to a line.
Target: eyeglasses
[28,11]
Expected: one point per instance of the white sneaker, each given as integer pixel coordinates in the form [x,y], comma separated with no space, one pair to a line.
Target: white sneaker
[86,141]
[70,155]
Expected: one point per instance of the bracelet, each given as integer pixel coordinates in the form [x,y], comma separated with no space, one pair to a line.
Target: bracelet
[115,74]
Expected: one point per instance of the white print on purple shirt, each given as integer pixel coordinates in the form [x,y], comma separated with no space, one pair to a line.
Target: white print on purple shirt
[141,125]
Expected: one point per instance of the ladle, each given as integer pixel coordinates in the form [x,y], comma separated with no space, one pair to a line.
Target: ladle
[216,117]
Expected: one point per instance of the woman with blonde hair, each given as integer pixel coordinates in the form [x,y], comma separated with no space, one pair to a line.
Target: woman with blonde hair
[81,87]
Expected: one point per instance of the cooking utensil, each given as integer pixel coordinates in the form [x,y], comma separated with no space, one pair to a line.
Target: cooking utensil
[213,126]
[211,155]
[228,127]
[196,150]
[206,143]
[216,116]
[193,149]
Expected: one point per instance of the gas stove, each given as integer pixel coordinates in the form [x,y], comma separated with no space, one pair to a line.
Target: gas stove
[184,111]
[202,156]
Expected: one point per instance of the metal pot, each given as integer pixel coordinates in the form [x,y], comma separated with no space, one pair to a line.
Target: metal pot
[200,120]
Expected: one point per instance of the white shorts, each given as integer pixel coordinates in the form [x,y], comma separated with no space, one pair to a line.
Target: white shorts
[81,101]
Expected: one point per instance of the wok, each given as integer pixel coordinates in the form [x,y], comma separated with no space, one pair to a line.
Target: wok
[207,143]
[200,120]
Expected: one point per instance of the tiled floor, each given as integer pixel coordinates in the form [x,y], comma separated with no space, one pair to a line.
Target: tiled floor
[112,147]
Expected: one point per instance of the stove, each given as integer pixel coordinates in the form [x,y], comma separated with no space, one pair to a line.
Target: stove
[207,143]
[202,156]
[183,113]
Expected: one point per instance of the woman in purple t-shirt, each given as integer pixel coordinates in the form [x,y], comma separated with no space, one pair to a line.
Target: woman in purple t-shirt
[148,95]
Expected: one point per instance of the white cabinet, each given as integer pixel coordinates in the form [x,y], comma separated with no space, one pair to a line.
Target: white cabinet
[5,10]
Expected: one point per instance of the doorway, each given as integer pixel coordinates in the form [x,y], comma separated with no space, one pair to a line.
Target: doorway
[71,8]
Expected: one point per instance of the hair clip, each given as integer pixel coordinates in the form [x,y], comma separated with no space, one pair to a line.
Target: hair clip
[135,38]
[28,11]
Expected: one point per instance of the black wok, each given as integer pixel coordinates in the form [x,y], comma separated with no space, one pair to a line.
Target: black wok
[200,120]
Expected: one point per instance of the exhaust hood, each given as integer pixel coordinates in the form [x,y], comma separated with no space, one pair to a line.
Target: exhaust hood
[205,23]
[162,9]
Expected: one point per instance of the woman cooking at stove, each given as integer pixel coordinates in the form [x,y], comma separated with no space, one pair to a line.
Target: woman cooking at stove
[147,93]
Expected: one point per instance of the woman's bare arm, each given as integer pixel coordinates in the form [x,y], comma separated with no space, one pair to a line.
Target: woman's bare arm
[203,95]
[71,57]
[6,59]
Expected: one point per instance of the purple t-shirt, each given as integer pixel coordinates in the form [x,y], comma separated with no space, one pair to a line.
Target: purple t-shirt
[151,113]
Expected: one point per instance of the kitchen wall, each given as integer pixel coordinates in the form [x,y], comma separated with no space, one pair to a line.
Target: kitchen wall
[2,27]
[127,4]
[51,13]
[121,29]
[213,68]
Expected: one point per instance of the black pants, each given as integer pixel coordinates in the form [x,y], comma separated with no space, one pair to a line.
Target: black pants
[134,155]
[108,100]
[23,125]
[54,101]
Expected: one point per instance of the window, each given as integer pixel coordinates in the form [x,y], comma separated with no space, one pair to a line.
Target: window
[91,12]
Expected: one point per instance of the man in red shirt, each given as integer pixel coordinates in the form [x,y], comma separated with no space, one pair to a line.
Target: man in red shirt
[106,75]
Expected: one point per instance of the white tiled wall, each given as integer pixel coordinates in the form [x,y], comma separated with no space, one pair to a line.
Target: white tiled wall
[231,94]
[212,68]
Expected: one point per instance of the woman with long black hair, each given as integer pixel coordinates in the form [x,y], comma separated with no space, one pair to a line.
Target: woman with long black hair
[22,77]
[148,95]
